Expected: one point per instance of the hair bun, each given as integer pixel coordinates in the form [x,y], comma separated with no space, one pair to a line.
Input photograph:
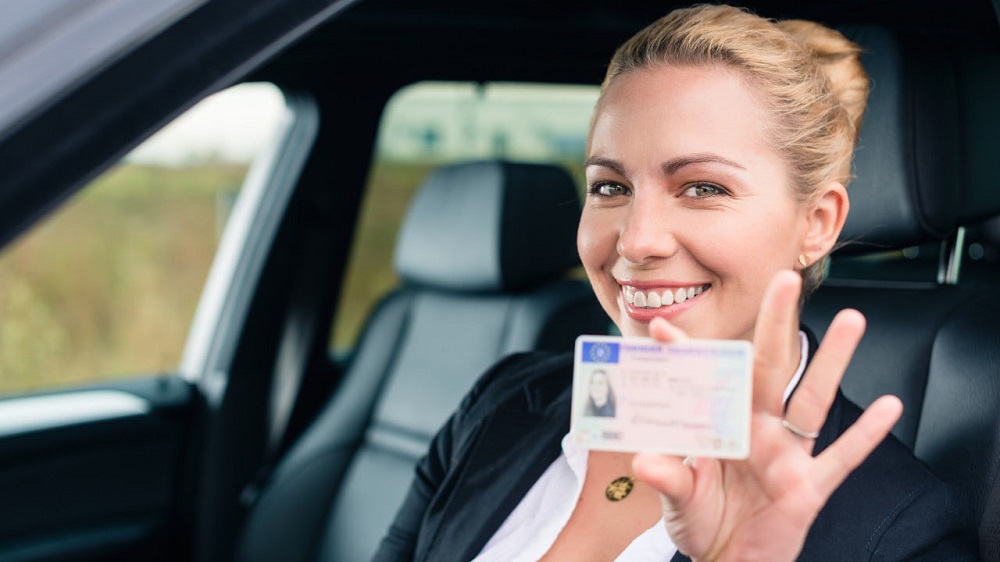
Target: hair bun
[839,59]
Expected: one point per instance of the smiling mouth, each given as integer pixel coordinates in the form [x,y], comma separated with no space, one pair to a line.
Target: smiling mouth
[659,298]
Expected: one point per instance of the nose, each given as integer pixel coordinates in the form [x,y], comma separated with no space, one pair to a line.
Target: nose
[647,233]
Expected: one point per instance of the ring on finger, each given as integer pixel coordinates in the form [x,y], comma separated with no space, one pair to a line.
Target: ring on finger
[803,434]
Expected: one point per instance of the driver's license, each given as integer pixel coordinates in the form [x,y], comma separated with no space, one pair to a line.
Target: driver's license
[689,397]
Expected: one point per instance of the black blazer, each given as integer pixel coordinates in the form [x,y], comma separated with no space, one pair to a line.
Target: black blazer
[508,431]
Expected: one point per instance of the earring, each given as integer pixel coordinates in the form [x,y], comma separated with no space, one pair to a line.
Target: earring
[804,260]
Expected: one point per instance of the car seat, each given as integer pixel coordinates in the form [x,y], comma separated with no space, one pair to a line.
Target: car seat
[483,254]
[932,342]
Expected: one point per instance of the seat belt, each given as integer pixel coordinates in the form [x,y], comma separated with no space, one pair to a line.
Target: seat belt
[298,335]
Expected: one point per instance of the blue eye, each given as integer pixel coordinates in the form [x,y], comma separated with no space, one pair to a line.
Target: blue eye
[608,189]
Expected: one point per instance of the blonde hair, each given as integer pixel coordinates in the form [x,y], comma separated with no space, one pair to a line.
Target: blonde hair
[808,76]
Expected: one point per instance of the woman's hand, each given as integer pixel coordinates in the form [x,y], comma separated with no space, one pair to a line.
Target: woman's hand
[761,508]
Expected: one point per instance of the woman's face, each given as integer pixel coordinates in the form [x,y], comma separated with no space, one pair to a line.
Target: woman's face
[690,212]
[599,389]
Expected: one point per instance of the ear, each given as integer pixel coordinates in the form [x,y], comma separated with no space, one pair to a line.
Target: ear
[825,217]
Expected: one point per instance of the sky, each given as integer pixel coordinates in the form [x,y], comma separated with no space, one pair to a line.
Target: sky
[231,125]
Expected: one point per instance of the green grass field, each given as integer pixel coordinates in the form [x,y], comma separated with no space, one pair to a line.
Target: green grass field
[109,284]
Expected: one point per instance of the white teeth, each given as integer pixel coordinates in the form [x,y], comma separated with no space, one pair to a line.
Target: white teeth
[653,300]
[640,299]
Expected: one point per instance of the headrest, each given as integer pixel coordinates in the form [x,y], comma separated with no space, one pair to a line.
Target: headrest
[978,69]
[490,226]
[908,161]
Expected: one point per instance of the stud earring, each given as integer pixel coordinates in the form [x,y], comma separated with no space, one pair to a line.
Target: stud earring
[804,260]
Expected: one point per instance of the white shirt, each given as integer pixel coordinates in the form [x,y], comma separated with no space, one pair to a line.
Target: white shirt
[531,529]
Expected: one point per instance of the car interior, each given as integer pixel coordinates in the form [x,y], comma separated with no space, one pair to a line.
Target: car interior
[480,281]
[268,441]
[900,197]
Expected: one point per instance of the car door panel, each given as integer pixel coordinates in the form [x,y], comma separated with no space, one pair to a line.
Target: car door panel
[93,473]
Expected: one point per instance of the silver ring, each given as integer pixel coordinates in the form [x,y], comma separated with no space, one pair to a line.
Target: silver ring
[803,434]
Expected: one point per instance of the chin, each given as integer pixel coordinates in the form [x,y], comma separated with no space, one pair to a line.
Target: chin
[632,328]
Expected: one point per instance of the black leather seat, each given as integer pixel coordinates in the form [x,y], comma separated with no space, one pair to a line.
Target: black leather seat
[960,423]
[933,343]
[483,253]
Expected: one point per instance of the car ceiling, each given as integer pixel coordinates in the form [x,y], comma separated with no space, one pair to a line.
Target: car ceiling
[371,46]
[552,41]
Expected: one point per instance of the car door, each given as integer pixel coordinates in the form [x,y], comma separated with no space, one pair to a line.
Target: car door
[105,422]
[94,462]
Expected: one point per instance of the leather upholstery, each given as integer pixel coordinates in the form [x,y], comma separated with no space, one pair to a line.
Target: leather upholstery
[977,66]
[508,226]
[960,421]
[934,346]
[908,152]
[473,292]
[894,356]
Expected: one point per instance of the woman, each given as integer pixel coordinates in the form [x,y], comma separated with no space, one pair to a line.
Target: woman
[717,161]
[601,397]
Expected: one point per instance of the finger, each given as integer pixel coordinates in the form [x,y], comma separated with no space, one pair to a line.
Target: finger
[670,476]
[774,354]
[662,330]
[808,407]
[690,496]
[854,446]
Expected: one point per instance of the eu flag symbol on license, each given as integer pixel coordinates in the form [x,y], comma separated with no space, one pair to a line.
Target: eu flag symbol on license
[599,352]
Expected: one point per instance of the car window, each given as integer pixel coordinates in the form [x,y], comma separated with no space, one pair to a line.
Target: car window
[430,124]
[108,284]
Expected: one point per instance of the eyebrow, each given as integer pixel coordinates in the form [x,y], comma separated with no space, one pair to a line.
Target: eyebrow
[612,165]
[670,167]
